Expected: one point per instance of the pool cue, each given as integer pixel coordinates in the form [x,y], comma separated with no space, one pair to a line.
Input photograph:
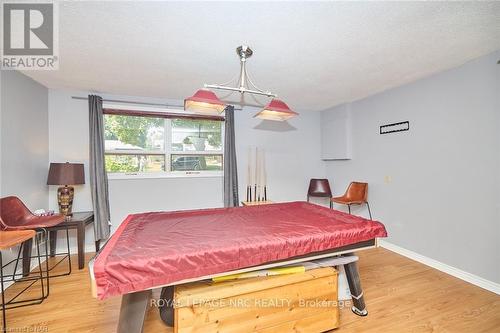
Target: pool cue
[261,176]
[257,174]
[249,175]
[262,179]
[252,175]
[264,174]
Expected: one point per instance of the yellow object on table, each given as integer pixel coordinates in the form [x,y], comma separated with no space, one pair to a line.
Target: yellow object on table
[263,272]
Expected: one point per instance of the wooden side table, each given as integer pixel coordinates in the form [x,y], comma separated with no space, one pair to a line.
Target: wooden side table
[78,221]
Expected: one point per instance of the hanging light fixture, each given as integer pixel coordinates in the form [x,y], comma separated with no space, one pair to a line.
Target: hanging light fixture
[204,101]
[275,110]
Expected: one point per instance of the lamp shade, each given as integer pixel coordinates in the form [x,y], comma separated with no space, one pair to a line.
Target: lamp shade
[276,110]
[204,102]
[66,174]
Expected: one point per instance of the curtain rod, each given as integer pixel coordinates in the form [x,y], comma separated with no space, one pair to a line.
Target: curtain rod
[156,114]
[137,103]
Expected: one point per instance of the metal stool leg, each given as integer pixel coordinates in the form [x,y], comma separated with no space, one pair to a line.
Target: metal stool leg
[45,234]
[4,317]
[69,252]
[17,260]
[37,243]
[369,212]
[14,302]
[27,249]
[45,237]
[349,206]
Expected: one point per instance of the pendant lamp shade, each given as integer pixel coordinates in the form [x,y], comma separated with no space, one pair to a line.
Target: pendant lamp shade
[204,102]
[276,110]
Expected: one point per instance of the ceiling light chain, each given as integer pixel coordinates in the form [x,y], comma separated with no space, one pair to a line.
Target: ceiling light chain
[244,52]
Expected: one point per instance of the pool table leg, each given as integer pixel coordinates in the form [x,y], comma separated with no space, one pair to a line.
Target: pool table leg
[167,308]
[352,274]
[133,311]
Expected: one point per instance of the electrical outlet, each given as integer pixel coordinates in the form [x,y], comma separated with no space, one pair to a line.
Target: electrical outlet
[387,179]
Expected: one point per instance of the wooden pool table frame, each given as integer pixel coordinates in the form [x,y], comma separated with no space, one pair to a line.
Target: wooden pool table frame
[134,305]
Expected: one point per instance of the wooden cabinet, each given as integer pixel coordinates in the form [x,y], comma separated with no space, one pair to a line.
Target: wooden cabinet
[336,133]
[302,302]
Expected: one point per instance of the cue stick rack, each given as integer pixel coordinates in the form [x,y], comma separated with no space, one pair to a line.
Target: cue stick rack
[256,175]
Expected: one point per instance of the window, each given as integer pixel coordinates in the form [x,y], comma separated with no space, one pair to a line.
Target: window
[138,145]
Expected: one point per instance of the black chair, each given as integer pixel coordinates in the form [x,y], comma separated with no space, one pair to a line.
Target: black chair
[320,188]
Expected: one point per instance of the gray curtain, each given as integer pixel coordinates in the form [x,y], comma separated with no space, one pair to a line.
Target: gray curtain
[230,170]
[98,176]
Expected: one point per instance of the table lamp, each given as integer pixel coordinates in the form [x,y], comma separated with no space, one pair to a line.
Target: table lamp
[65,174]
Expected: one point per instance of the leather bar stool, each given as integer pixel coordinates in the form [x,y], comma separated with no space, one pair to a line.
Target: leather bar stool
[9,239]
[16,216]
[319,188]
[356,194]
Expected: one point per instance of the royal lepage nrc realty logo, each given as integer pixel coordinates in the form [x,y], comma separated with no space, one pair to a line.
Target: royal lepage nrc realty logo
[30,36]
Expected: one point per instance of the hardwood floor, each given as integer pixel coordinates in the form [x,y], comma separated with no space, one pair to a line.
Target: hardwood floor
[402,296]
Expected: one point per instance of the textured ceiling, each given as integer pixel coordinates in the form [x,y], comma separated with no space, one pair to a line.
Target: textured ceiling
[314,55]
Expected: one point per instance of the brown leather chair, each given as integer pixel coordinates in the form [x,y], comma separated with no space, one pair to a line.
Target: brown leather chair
[356,194]
[319,188]
[16,216]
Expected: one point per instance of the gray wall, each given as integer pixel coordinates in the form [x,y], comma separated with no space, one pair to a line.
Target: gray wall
[292,157]
[24,139]
[436,187]
[291,152]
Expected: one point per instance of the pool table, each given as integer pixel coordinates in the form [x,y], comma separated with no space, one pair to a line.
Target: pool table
[158,249]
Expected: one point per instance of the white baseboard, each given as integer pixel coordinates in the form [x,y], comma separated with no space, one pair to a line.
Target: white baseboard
[89,248]
[458,273]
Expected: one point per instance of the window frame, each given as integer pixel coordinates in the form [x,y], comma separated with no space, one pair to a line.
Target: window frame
[167,115]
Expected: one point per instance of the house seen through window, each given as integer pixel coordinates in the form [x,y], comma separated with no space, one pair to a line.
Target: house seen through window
[135,144]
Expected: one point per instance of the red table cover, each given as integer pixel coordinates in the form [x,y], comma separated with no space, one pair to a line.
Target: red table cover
[154,249]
